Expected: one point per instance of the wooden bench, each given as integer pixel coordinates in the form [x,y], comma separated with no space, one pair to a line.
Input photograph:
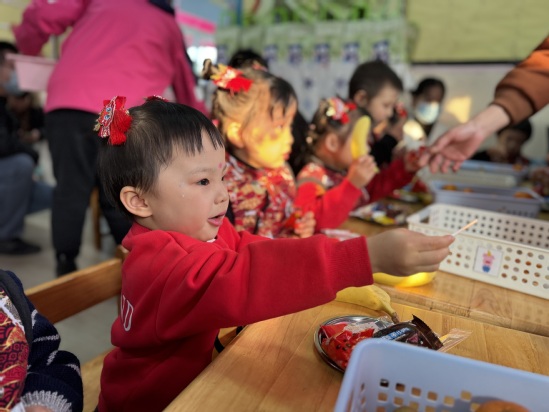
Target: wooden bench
[68,295]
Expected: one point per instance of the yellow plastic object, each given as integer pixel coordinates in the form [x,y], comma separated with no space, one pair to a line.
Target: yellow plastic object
[359,145]
[417,279]
[371,297]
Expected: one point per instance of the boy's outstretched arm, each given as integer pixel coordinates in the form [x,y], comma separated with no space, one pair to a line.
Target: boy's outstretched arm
[402,252]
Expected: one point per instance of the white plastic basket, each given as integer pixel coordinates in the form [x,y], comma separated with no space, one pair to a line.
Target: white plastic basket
[384,375]
[518,171]
[501,200]
[504,250]
[473,177]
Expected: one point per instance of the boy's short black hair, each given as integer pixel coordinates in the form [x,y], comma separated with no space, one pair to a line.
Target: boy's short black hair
[6,47]
[157,129]
[245,58]
[427,83]
[525,127]
[371,77]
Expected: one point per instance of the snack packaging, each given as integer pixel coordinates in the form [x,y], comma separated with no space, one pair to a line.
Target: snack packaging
[337,340]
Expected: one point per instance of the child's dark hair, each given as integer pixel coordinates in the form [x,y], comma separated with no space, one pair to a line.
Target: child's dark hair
[427,83]
[5,48]
[158,128]
[242,106]
[246,58]
[322,124]
[282,94]
[525,127]
[372,77]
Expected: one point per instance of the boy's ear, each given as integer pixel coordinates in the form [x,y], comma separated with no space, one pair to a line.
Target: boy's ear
[134,202]
[332,142]
[234,136]
[361,98]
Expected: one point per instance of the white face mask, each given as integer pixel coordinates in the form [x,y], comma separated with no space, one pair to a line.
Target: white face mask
[427,113]
[12,85]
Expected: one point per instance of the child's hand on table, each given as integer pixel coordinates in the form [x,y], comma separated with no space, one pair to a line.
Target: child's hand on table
[402,252]
[361,171]
[305,225]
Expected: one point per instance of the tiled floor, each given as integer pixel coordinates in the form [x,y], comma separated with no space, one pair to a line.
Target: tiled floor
[86,334]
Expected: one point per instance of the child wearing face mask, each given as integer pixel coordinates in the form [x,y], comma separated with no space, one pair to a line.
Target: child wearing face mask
[375,88]
[337,179]
[426,108]
[164,165]
[254,111]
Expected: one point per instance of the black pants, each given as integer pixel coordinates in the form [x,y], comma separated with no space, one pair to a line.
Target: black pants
[74,148]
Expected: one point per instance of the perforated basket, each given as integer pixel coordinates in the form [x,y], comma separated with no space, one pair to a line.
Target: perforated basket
[504,250]
[502,200]
[384,375]
[473,177]
[518,171]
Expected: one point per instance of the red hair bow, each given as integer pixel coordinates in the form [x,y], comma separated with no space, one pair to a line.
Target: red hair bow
[339,110]
[231,79]
[114,121]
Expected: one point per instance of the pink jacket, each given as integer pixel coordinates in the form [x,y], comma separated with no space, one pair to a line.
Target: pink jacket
[123,47]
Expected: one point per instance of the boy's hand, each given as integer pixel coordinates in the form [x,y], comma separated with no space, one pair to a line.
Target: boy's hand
[305,226]
[402,252]
[361,171]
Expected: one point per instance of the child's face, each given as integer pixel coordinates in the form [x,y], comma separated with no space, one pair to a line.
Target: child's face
[512,140]
[190,196]
[268,140]
[381,106]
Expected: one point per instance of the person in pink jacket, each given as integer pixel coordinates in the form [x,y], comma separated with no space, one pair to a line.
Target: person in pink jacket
[189,273]
[129,47]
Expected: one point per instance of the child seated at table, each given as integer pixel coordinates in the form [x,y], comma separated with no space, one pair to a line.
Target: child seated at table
[334,181]
[35,375]
[189,273]
[508,147]
[375,88]
[254,111]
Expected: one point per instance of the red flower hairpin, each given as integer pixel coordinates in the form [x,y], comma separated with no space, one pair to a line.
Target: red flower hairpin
[231,79]
[114,121]
[339,110]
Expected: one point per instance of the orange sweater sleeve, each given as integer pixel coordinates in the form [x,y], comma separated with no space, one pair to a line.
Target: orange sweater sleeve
[525,89]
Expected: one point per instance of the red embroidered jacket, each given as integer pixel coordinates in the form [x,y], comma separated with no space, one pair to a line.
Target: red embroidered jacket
[261,199]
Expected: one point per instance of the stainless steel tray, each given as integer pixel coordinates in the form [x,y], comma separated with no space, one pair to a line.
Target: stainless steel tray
[319,336]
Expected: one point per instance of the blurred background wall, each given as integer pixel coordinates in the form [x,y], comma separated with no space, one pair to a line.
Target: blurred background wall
[315,44]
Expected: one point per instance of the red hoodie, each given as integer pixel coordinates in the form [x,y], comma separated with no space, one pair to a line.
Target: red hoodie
[177,292]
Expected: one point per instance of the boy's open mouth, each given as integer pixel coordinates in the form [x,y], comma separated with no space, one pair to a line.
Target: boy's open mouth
[216,220]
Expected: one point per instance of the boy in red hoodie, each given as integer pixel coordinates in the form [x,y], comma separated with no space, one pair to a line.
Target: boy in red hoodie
[163,164]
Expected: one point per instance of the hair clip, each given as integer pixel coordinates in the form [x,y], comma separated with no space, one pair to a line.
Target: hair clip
[156,97]
[114,121]
[231,79]
[338,109]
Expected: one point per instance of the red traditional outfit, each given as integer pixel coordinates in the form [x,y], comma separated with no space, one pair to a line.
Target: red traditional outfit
[331,196]
[261,200]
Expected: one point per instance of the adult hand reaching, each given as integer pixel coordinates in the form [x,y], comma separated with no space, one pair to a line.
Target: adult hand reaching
[461,142]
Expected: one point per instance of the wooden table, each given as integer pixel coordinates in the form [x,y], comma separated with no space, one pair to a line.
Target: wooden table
[467,297]
[273,365]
